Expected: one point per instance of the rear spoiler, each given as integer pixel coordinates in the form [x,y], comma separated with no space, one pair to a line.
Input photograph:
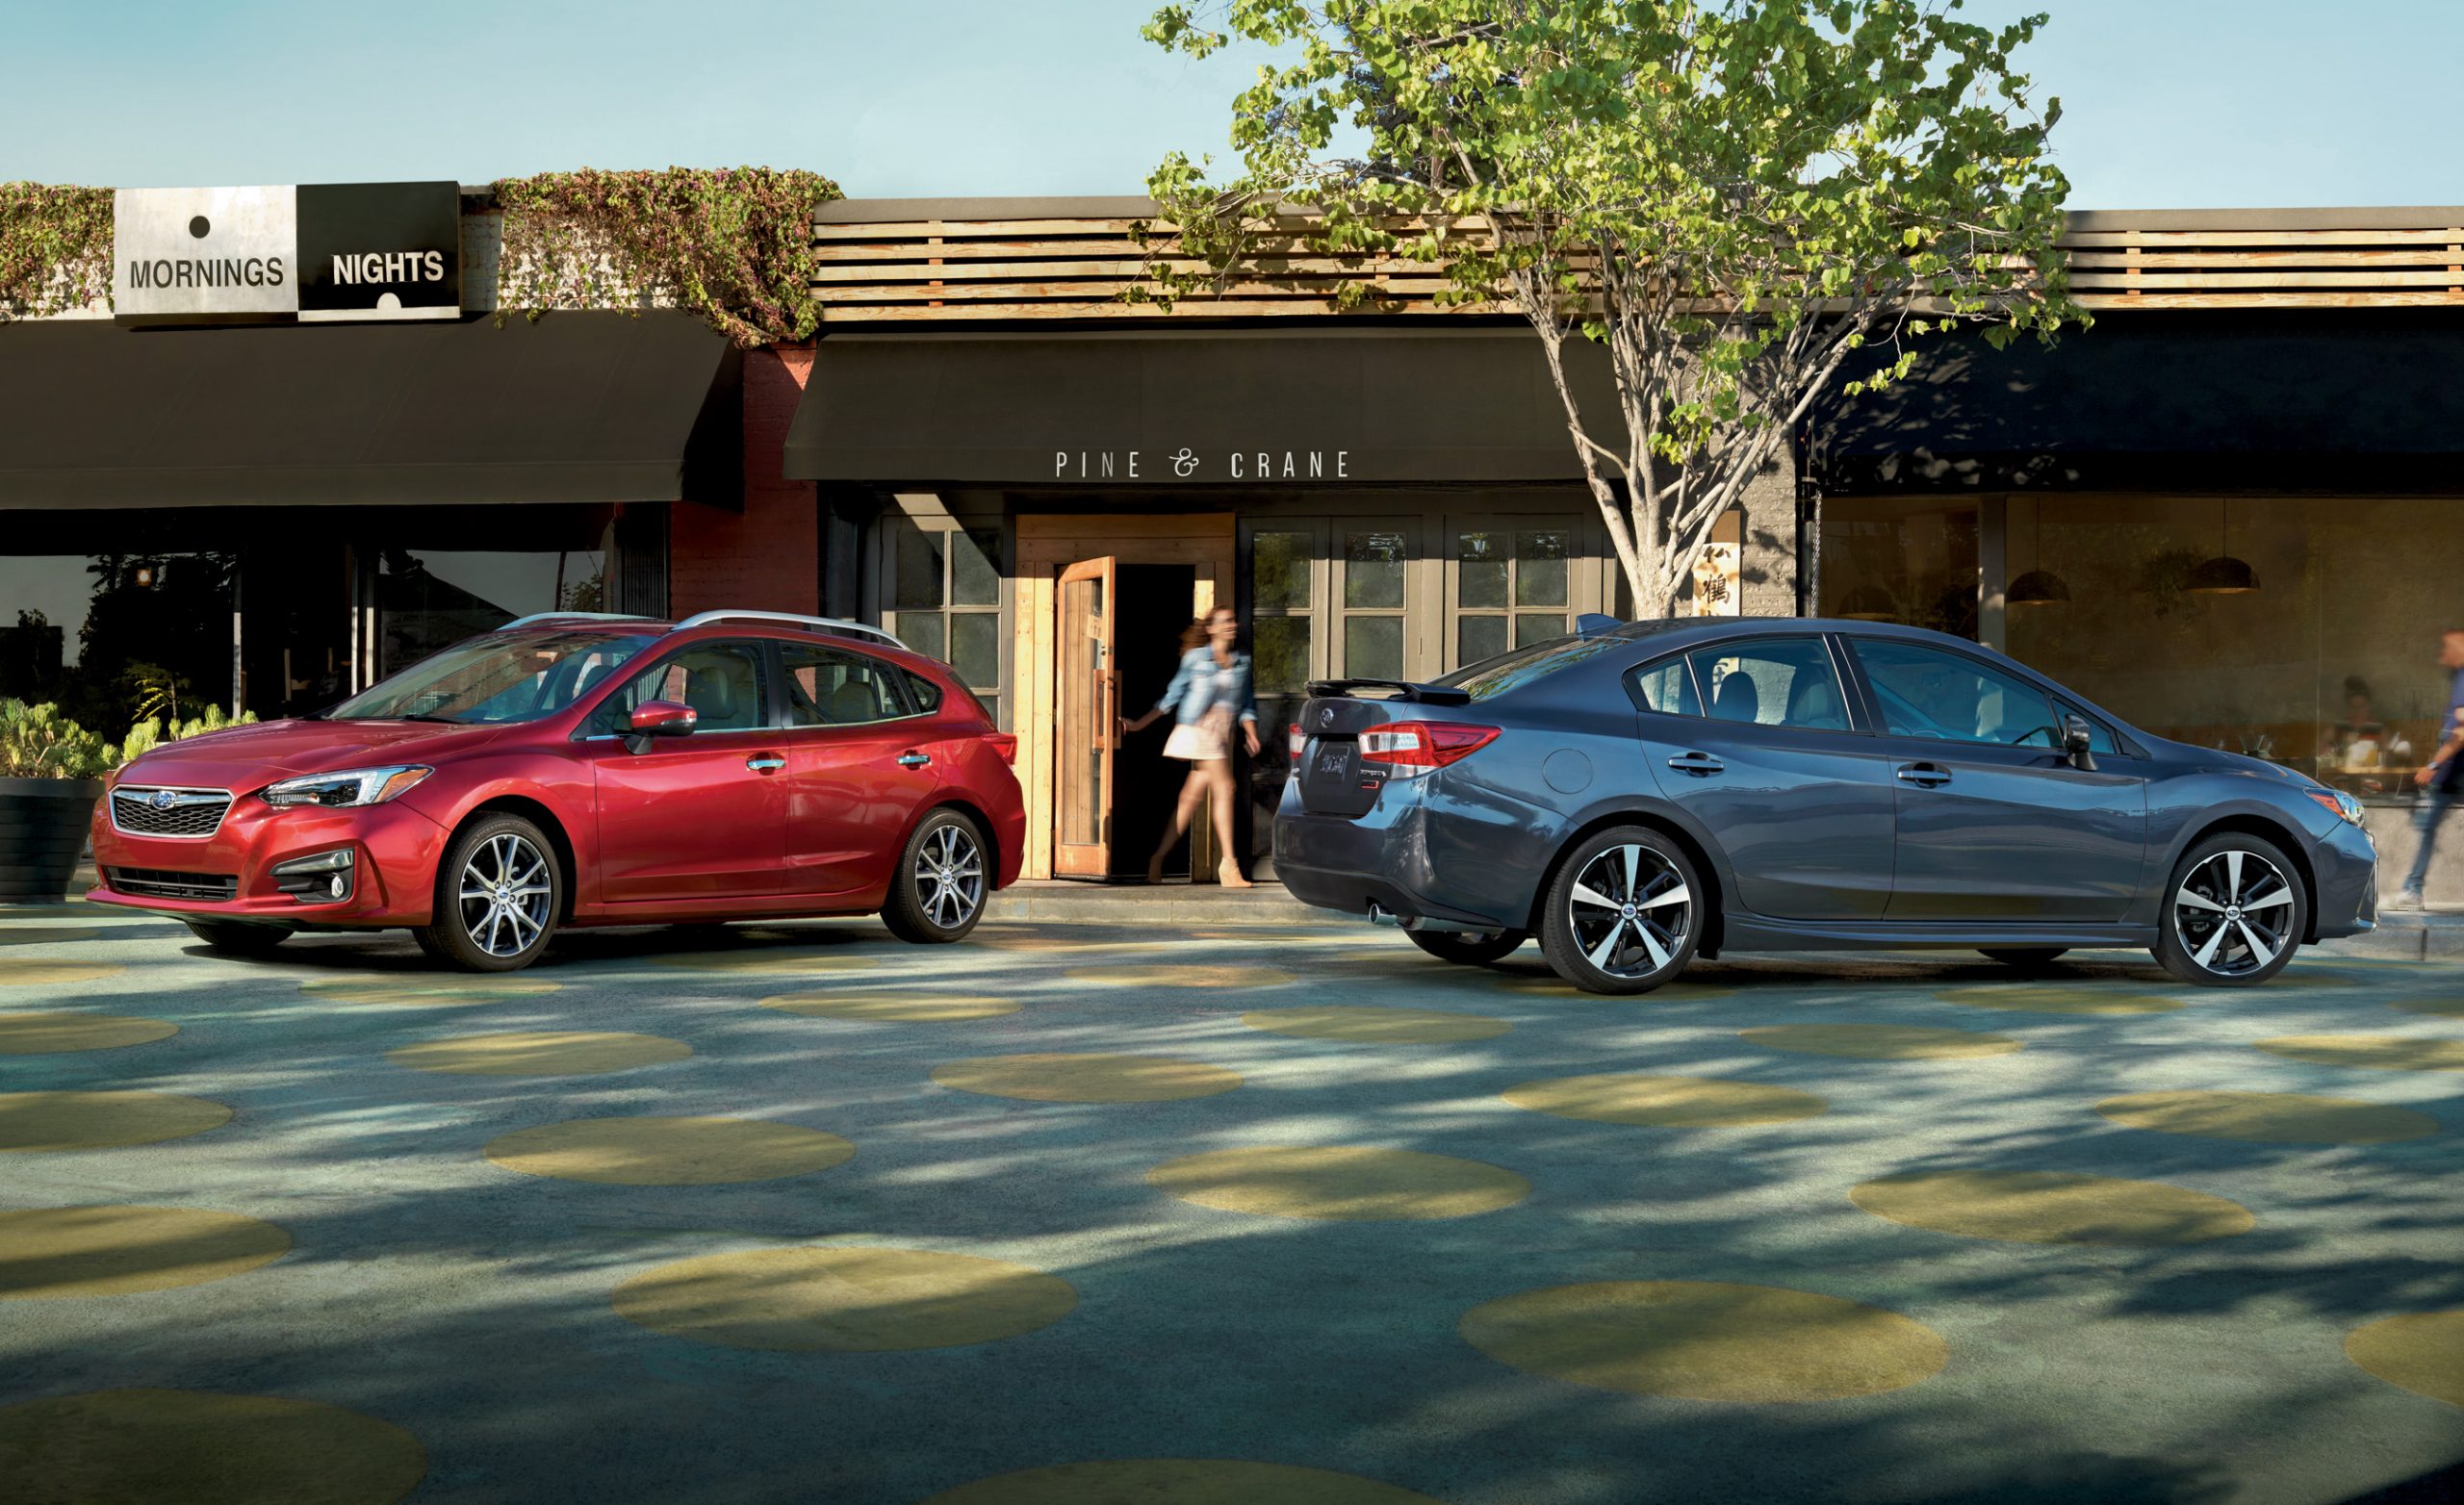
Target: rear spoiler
[1404,689]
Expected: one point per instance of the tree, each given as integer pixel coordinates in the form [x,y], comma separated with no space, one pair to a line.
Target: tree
[1734,197]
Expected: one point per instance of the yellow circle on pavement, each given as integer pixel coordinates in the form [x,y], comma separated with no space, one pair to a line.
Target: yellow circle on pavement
[202,1447]
[55,1034]
[2267,1117]
[766,963]
[547,1053]
[2059,998]
[1180,975]
[1664,1102]
[1706,1341]
[1880,1041]
[45,1121]
[424,990]
[2375,1052]
[1177,1481]
[893,1007]
[2436,1008]
[1375,1026]
[2051,1207]
[843,1299]
[45,934]
[115,1251]
[41,972]
[1087,1079]
[2421,1351]
[1339,1183]
[668,1152]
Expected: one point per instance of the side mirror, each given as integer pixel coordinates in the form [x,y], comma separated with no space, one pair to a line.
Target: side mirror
[2077,740]
[661,718]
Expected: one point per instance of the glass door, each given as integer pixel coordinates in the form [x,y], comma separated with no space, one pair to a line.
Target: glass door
[1088,724]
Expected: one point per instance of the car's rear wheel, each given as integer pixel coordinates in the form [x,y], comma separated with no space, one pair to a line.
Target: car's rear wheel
[943,878]
[2234,911]
[1624,913]
[2025,958]
[498,897]
[1470,948]
[238,939]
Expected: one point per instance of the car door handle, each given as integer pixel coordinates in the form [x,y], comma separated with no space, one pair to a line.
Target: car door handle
[914,761]
[1924,775]
[1700,764]
[765,762]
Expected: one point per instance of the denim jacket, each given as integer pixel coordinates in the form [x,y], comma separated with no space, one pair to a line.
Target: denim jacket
[1192,693]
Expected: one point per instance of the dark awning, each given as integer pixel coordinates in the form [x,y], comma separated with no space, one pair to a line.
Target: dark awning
[1396,405]
[2323,401]
[575,408]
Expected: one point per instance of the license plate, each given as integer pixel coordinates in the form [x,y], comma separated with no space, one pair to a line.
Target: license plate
[1332,762]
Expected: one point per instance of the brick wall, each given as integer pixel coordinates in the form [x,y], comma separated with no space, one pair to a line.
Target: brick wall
[768,556]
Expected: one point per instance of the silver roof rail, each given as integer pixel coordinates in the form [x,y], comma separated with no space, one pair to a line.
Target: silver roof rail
[572,616]
[835,625]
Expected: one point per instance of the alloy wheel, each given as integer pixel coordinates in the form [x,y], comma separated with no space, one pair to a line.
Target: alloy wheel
[949,875]
[505,894]
[1629,910]
[2233,913]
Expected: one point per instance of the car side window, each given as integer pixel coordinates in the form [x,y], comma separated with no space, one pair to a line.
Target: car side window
[838,687]
[722,681]
[1926,692]
[1664,686]
[1780,681]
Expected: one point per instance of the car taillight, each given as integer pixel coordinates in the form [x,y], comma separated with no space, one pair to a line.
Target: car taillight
[1412,747]
[1004,743]
[1300,743]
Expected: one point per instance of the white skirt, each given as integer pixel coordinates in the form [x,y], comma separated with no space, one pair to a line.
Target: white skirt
[1197,742]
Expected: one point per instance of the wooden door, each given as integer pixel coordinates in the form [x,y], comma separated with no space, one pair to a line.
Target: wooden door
[1089,701]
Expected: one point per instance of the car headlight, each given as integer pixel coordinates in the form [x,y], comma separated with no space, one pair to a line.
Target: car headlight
[2346,807]
[350,787]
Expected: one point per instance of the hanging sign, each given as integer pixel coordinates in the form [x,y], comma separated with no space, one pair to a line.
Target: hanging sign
[319,251]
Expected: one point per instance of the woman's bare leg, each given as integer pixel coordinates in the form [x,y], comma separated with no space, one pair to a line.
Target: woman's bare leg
[1192,792]
[1218,778]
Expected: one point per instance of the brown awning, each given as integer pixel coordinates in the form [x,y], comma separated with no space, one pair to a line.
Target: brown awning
[575,408]
[1397,405]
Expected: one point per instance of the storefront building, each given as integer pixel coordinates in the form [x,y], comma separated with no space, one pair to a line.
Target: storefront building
[2227,512]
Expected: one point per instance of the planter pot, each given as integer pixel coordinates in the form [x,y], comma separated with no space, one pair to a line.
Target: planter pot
[42,832]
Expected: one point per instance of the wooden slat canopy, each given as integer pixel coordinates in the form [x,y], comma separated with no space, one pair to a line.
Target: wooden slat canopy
[928,261]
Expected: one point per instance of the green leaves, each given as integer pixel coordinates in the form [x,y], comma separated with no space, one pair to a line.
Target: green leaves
[55,248]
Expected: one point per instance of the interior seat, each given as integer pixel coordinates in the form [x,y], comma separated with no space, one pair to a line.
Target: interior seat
[1737,699]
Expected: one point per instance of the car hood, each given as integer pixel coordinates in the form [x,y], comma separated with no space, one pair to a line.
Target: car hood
[243,758]
[2223,762]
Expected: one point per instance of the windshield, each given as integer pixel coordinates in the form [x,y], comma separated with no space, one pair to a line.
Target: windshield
[497,678]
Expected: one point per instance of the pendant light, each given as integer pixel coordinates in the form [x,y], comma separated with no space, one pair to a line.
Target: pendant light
[2040,586]
[2223,575]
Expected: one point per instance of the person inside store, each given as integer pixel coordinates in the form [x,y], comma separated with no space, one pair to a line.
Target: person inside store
[2442,783]
[1208,697]
[2359,740]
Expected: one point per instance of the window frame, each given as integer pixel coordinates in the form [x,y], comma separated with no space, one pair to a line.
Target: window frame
[892,674]
[1338,615]
[1511,525]
[993,530]
[1322,577]
[1852,704]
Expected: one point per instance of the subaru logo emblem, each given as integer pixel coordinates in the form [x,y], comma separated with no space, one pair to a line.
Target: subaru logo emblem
[163,799]
[1326,715]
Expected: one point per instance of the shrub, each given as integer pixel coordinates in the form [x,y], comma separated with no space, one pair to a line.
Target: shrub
[37,742]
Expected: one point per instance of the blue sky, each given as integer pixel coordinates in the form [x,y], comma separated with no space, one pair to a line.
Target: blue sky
[2168,102]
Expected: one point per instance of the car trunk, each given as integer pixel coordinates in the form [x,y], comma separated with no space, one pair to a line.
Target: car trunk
[1335,779]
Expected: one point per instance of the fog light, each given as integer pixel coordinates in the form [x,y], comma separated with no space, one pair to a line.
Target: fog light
[322,879]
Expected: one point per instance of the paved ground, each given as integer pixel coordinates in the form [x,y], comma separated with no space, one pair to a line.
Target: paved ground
[1931,1272]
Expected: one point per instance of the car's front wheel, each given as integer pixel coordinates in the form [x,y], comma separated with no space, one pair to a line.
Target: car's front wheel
[2234,911]
[1624,913]
[238,939]
[1470,948]
[943,878]
[498,897]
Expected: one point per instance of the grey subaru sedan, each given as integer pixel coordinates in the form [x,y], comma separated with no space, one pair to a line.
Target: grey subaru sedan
[1641,794]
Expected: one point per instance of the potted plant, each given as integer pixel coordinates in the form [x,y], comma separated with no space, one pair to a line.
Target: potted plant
[51,773]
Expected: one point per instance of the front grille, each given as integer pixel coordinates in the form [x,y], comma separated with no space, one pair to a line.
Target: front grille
[169,812]
[147,883]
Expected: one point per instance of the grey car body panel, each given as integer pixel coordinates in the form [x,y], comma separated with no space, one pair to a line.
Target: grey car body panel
[1803,832]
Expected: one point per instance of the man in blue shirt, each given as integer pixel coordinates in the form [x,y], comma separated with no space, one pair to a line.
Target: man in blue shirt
[2443,781]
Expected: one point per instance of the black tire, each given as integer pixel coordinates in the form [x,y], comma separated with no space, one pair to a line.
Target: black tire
[2233,913]
[944,879]
[1643,944]
[521,895]
[1467,948]
[238,938]
[2025,958]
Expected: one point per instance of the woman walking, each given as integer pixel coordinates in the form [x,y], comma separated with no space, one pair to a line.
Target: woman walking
[1208,693]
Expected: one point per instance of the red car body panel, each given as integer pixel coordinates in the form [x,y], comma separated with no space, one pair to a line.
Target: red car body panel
[681,829]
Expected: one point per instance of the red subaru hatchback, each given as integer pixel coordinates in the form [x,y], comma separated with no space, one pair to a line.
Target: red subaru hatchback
[585,770]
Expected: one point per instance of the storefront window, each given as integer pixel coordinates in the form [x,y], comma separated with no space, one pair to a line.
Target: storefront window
[1906,559]
[115,638]
[1501,575]
[429,598]
[1372,603]
[945,600]
[1282,608]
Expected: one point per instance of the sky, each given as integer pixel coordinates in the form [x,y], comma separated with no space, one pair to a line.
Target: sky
[2166,103]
